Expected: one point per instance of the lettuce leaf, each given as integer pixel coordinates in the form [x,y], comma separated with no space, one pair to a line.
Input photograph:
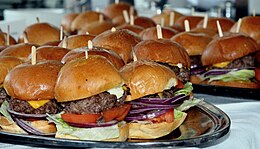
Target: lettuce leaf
[188,104]
[3,110]
[186,90]
[97,134]
[177,114]
[240,75]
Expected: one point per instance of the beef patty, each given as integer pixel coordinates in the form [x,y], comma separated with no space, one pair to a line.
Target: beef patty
[3,96]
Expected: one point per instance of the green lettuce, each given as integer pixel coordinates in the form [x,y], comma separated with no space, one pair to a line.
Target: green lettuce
[97,134]
[186,90]
[177,114]
[188,104]
[3,110]
[240,75]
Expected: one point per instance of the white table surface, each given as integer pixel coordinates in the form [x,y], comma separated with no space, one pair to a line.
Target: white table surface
[245,123]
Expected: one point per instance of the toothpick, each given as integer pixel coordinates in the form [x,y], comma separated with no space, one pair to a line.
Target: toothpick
[205,21]
[25,39]
[101,18]
[65,42]
[113,29]
[254,12]
[37,19]
[192,11]
[171,19]
[116,1]
[126,17]
[131,20]
[159,32]
[219,13]
[238,25]
[90,47]
[219,29]
[33,54]
[87,33]
[8,35]
[162,22]
[61,32]
[131,11]
[187,25]
[134,56]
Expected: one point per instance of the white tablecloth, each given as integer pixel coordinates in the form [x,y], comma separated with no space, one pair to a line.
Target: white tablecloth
[244,131]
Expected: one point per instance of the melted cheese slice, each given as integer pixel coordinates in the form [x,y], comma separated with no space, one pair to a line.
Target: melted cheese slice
[36,104]
[221,65]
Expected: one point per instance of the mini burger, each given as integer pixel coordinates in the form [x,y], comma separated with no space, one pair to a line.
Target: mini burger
[31,88]
[157,99]
[230,61]
[92,93]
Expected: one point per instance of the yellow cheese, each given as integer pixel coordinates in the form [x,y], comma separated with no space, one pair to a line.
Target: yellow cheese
[221,65]
[36,104]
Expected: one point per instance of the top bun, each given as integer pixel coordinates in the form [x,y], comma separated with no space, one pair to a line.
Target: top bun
[121,41]
[67,20]
[193,43]
[33,82]
[166,16]
[97,27]
[41,33]
[76,41]
[225,24]
[162,50]
[227,48]
[145,78]
[151,33]
[144,22]
[193,21]
[116,9]
[82,78]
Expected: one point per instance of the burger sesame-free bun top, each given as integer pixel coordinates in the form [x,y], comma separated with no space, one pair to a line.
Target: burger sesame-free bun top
[82,78]
[225,24]
[76,41]
[151,33]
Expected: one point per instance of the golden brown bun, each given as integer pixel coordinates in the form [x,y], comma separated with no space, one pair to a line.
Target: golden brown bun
[162,50]
[22,50]
[121,41]
[9,126]
[110,55]
[3,37]
[123,135]
[151,33]
[177,28]
[250,26]
[119,20]
[145,78]
[67,20]
[52,43]
[41,33]
[193,43]
[96,27]
[225,24]
[239,84]
[44,126]
[77,41]
[82,78]
[227,48]
[193,21]
[134,28]
[144,22]
[154,130]
[85,18]
[32,82]
[166,15]
[7,63]
[50,53]
[206,31]
[114,10]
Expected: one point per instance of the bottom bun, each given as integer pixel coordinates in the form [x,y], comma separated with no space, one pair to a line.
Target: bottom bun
[44,126]
[123,135]
[8,126]
[153,131]
[238,84]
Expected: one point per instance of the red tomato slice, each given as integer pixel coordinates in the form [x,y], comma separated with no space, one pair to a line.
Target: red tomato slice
[257,73]
[117,113]
[180,84]
[80,118]
[167,117]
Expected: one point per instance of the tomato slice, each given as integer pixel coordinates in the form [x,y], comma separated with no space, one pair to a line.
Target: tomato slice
[180,85]
[257,73]
[80,118]
[117,113]
[167,117]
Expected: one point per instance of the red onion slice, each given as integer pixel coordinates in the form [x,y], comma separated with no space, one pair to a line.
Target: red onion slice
[29,129]
[199,70]
[141,110]
[160,101]
[91,125]
[22,115]
[140,117]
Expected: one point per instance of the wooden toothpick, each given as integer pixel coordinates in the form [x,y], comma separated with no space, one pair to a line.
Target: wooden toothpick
[238,25]
[126,17]
[220,33]
[33,54]
[205,21]
[159,32]
[171,19]
[61,32]
[187,25]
